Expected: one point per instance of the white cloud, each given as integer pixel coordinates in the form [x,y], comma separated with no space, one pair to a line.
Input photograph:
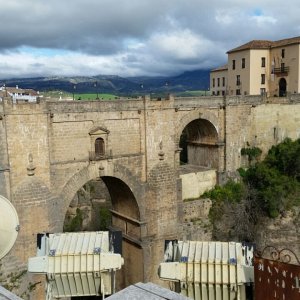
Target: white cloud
[225,16]
[264,20]
[181,44]
[89,37]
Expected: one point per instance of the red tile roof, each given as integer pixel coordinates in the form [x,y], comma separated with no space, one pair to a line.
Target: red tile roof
[221,68]
[286,42]
[265,44]
[255,44]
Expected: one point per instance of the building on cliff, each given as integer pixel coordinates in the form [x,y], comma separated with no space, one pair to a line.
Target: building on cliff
[270,68]
[18,94]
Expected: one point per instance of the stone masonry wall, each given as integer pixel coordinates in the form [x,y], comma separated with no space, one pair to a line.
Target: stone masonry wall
[4,163]
[48,148]
[258,126]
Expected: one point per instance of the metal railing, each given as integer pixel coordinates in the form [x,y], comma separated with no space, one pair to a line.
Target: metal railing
[281,70]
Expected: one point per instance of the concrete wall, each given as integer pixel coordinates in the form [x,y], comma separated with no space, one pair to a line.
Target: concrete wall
[195,184]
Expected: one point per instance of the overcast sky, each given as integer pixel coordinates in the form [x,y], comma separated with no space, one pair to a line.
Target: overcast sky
[133,37]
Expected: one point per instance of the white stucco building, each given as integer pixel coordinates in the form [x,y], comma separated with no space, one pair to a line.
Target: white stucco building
[271,68]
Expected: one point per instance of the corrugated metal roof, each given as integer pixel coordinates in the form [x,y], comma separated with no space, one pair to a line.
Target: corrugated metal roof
[147,291]
[205,269]
[77,263]
[7,295]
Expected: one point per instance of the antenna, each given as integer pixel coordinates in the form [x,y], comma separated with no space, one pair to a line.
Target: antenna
[9,226]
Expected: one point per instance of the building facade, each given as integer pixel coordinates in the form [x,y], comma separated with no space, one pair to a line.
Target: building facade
[260,67]
[19,95]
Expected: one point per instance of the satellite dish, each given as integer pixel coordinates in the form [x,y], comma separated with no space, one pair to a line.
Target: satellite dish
[9,226]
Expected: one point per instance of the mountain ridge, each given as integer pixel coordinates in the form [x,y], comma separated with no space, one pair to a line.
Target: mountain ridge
[189,80]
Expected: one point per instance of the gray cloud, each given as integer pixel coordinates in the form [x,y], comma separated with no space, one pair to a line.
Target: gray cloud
[133,37]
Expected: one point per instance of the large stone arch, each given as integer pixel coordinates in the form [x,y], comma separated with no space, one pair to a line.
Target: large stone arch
[127,212]
[96,170]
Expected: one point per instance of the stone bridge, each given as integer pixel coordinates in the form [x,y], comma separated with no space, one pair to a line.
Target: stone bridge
[49,150]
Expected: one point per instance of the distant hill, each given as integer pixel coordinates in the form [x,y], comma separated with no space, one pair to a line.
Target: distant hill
[187,81]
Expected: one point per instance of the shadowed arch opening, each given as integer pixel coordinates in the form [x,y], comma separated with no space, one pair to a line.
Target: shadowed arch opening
[199,144]
[282,87]
[122,198]
[114,198]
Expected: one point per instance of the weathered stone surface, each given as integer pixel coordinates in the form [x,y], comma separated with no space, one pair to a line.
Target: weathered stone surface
[47,154]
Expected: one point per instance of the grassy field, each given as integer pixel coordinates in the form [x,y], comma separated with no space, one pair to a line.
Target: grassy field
[193,93]
[67,96]
[93,96]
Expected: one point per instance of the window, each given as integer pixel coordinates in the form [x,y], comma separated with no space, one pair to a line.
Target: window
[223,81]
[282,53]
[233,64]
[238,92]
[218,93]
[243,63]
[263,78]
[263,62]
[213,82]
[238,80]
[223,93]
[99,147]
[262,91]
[218,81]
[282,67]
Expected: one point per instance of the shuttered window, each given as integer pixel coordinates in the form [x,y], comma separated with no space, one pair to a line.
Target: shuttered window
[99,147]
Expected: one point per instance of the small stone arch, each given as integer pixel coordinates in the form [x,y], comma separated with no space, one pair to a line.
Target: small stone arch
[198,138]
[188,118]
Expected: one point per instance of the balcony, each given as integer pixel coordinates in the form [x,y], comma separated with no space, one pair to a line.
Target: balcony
[281,70]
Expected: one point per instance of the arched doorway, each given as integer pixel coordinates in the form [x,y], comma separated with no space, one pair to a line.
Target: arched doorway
[282,87]
[120,212]
[199,144]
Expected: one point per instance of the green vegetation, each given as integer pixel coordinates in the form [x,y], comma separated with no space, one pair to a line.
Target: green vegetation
[230,192]
[78,96]
[252,153]
[105,218]
[76,223]
[268,187]
[193,93]
[276,180]
[93,96]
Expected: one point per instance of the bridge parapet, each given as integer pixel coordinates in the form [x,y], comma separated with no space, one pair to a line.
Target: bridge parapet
[94,105]
[217,101]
